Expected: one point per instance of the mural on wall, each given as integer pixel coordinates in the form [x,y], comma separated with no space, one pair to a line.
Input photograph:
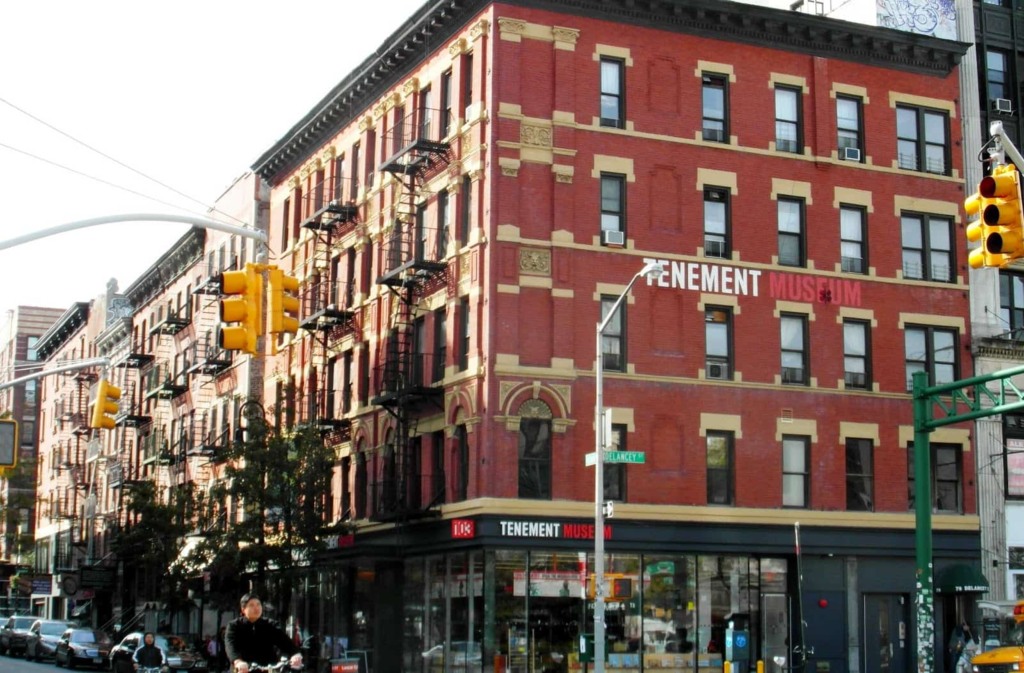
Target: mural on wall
[924,17]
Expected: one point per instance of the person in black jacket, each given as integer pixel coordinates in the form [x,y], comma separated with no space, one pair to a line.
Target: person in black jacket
[251,639]
[149,655]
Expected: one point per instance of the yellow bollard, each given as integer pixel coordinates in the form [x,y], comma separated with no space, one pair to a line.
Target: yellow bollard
[760,666]
[728,667]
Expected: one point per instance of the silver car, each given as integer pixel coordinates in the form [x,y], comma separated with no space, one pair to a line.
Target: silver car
[41,642]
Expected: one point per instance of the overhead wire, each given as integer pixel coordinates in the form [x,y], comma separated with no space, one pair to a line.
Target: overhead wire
[86,175]
[113,159]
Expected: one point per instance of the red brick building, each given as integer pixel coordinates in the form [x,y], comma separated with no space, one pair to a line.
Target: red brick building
[466,207]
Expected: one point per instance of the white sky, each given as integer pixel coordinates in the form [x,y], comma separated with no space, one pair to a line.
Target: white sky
[189,93]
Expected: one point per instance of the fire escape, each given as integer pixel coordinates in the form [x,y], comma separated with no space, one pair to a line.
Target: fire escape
[414,267]
[70,463]
[208,434]
[133,413]
[327,310]
[166,381]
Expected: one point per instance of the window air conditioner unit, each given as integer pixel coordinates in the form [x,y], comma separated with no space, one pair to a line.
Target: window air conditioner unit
[612,237]
[850,154]
[717,370]
[1003,105]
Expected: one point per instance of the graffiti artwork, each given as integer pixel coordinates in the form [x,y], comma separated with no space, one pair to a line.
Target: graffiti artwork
[924,17]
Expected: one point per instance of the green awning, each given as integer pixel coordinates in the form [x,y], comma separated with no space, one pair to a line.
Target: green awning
[960,579]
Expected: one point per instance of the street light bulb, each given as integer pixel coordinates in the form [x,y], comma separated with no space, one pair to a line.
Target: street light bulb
[652,270]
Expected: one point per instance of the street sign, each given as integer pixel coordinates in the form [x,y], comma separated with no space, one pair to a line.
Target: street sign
[624,457]
[635,457]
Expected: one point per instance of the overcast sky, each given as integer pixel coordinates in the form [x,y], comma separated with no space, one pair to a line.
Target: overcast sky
[188,93]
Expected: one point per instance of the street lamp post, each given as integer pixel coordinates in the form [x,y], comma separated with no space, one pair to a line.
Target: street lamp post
[651,269]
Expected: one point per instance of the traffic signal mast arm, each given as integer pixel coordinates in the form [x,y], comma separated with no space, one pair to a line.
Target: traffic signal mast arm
[68,367]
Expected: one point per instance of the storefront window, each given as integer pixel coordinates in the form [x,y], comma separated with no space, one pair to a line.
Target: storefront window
[363,602]
[556,600]
[510,610]
[727,591]
[415,592]
[435,633]
[669,612]
[465,652]
[622,611]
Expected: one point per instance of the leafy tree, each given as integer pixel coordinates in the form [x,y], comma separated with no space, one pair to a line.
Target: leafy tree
[17,508]
[275,500]
[153,542]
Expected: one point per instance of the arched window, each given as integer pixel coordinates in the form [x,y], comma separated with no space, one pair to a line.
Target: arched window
[361,482]
[535,450]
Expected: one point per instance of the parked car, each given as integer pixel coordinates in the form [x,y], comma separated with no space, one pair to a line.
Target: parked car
[13,634]
[180,656]
[83,647]
[43,635]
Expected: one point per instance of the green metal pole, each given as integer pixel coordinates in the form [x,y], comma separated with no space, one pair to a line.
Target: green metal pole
[923,532]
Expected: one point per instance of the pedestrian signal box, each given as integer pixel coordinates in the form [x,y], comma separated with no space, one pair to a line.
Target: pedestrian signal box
[620,587]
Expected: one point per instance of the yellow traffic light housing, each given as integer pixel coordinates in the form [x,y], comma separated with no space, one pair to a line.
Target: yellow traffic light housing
[620,587]
[283,304]
[243,305]
[105,406]
[8,444]
[1000,227]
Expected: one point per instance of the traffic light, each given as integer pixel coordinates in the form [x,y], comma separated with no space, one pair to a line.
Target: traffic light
[8,444]
[107,396]
[243,305]
[1000,226]
[283,304]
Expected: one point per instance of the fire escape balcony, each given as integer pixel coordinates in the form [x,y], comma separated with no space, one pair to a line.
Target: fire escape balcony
[417,143]
[79,423]
[208,442]
[413,254]
[408,379]
[207,357]
[322,410]
[328,207]
[135,358]
[130,412]
[165,384]
[115,474]
[327,307]
[156,449]
[172,322]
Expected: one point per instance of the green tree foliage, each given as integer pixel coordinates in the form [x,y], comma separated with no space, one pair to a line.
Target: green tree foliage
[274,502]
[154,538]
[16,509]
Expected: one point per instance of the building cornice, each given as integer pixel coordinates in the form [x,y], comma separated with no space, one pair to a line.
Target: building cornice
[178,259]
[63,329]
[431,27]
